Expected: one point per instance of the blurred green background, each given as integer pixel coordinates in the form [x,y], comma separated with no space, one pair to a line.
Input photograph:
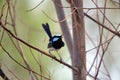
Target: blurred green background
[29,29]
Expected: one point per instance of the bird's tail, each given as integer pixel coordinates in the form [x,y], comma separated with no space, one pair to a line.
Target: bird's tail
[47,29]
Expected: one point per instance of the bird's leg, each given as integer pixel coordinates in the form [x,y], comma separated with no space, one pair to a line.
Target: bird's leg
[54,56]
[51,54]
[59,55]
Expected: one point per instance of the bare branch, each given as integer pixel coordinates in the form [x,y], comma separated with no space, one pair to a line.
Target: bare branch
[41,51]
[35,6]
[102,25]
[63,24]
[3,75]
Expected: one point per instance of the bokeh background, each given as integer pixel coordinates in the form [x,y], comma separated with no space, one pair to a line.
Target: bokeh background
[28,26]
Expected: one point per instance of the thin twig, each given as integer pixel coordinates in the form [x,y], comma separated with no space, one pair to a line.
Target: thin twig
[41,51]
[35,6]
[12,72]
[102,25]
[21,64]
[64,25]
[3,75]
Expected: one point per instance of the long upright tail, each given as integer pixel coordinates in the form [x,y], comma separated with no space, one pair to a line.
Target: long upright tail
[47,29]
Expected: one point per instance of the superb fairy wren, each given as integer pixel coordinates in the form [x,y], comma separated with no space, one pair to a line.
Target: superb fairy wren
[55,42]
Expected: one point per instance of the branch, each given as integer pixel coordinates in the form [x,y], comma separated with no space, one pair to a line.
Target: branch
[21,64]
[63,24]
[79,54]
[3,75]
[114,32]
[41,51]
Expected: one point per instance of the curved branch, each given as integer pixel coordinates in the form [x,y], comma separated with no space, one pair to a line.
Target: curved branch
[3,75]
[102,25]
[41,51]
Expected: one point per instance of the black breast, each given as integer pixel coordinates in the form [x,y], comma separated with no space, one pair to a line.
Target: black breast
[57,42]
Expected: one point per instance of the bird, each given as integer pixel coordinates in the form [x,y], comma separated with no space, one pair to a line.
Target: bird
[55,42]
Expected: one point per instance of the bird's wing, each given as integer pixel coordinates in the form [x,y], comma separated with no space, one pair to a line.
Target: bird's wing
[47,29]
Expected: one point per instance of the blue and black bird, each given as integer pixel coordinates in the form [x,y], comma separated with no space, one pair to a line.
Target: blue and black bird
[55,42]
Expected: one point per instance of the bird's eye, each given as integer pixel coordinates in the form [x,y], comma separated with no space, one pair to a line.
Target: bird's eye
[55,39]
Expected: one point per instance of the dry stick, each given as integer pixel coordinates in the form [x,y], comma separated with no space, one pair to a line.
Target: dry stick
[101,29]
[21,64]
[90,8]
[63,25]
[40,66]
[13,20]
[105,17]
[79,56]
[107,71]
[102,46]
[101,35]
[114,32]
[102,25]
[2,74]
[35,6]
[102,59]
[41,51]
[11,72]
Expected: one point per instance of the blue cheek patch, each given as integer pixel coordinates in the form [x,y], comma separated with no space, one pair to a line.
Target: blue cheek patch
[55,39]
[57,35]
